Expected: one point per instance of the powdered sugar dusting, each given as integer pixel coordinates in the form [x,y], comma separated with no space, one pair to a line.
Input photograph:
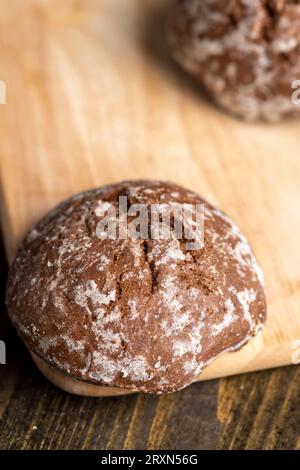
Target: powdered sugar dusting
[91,291]
[102,207]
[228,319]
[246,297]
[136,368]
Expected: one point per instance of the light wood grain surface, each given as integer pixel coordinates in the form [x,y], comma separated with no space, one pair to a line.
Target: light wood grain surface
[93,97]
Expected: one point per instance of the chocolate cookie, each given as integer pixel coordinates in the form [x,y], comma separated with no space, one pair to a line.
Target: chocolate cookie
[246,53]
[137,314]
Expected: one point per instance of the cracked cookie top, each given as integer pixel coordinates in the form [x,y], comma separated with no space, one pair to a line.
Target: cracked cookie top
[146,314]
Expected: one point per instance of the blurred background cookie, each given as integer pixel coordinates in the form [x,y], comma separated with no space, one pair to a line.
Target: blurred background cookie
[245,53]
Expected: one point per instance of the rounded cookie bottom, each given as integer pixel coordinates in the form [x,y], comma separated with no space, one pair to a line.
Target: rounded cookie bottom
[75,386]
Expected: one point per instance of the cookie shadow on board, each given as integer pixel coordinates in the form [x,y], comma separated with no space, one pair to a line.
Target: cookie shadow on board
[154,46]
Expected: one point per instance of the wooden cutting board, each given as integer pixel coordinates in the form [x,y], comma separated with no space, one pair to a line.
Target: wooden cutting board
[93,97]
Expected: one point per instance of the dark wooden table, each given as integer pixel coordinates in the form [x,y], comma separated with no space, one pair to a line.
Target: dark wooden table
[253,411]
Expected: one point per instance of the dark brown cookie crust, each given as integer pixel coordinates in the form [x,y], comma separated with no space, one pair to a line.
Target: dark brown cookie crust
[246,53]
[141,314]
